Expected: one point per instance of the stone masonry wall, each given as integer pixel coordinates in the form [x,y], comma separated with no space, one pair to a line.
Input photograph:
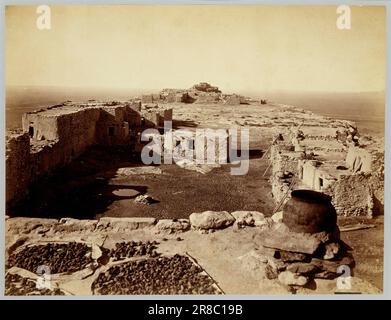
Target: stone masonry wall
[17,166]
[40,127]
[352,195]
[53,139]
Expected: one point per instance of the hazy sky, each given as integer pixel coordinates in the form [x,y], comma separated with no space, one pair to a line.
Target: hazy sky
[238,48]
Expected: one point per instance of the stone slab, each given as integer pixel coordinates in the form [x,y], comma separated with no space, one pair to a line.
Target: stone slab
[124,224]
[283,239]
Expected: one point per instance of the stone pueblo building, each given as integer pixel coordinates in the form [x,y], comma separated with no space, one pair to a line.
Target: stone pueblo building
[329,159]
[53,137]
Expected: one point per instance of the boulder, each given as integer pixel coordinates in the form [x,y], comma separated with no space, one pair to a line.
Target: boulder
[173,225]
[276,264]
[144,199]
[211,220]
[332,250]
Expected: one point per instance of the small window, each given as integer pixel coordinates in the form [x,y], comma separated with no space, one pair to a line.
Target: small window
[191,144]
[320,183]
[31,131]
[111,131]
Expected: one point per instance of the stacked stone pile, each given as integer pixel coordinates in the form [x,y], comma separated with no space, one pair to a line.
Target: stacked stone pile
[305,244]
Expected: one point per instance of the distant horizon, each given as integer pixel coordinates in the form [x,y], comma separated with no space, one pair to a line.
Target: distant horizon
[184,88]
[365,108]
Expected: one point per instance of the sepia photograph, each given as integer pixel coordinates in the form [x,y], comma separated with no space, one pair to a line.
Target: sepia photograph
[204,150]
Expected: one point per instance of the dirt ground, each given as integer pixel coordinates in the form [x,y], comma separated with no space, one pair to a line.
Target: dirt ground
[367,245]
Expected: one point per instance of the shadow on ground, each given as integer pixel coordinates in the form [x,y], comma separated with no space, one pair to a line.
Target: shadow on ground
[87,189]
[83,189]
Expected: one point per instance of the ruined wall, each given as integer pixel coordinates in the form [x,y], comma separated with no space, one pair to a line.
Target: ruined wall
[132,116]
[45,158]
[205,97]
[211,148]
[150,98]
[287,162]
[17,165]
[168,115]
[112,127]
[202,93]
[150,119]
[154,115]
[76,132]
[353,194]
[234,99]
[55,137]
[376,184]
[280,188]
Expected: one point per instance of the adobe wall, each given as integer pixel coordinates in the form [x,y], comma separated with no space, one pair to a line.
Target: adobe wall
[76,132]
[54,137]
[154,115]
[45,158]
[17,166]
[352,195]
[150,98]
[112,127]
